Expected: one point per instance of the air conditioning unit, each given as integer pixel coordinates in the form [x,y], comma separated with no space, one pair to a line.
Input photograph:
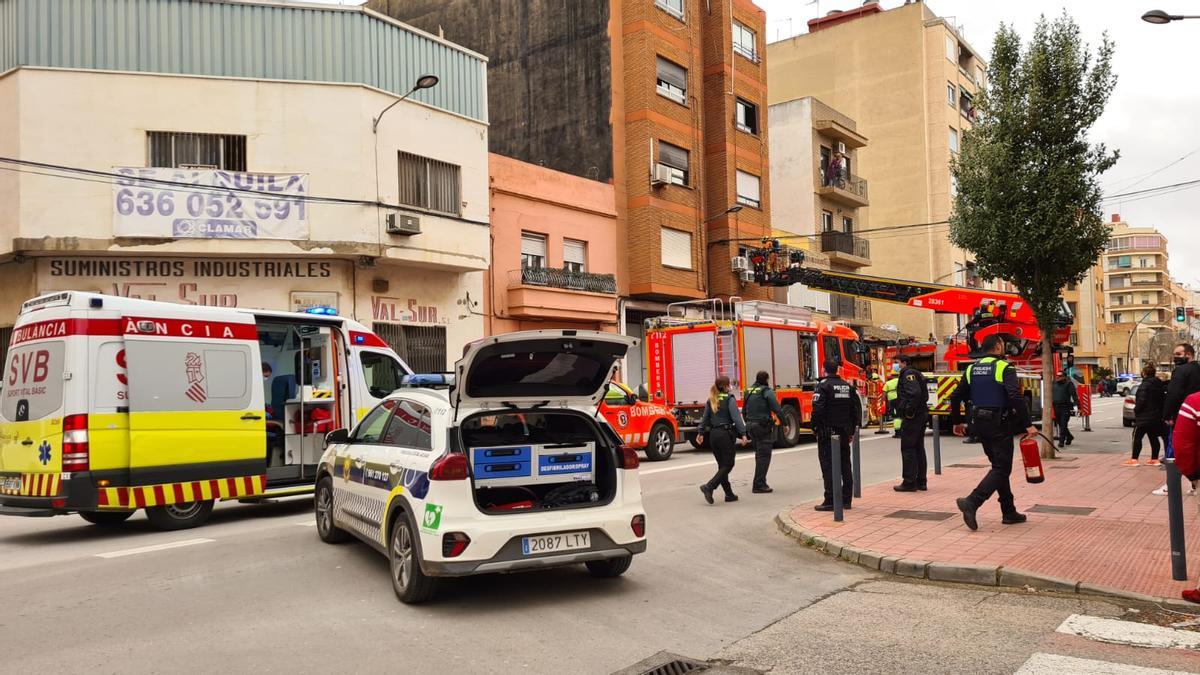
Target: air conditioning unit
[841,147]
[663,175]
[740,263]
[398,223]
[746,275]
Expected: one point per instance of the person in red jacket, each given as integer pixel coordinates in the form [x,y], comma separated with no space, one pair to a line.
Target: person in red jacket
[1186,440]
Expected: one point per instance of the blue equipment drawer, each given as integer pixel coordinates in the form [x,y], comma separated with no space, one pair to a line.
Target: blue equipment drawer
[512,453]
[502,469]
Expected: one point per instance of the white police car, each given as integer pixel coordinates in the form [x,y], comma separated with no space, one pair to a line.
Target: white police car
[507,468]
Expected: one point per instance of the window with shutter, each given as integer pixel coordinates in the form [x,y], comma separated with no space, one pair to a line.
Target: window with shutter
[672,80]
[748,189]
[676,158]
[746,117]
[676,248]
[574,255]
[533,250]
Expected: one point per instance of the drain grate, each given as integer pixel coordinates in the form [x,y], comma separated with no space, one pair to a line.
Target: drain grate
[967,466]
[1063,510]
[665,663]
[920,515]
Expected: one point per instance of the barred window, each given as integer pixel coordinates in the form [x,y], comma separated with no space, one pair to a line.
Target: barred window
[430,184]
[423,348]
[174,149]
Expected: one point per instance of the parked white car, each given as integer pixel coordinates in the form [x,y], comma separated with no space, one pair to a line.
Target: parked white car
[508,468]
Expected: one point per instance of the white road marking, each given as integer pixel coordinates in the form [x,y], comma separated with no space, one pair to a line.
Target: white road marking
[1054,664]
[1119,632]
[776,453]
[155,547]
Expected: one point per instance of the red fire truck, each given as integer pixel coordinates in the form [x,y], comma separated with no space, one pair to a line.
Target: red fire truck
[698,341]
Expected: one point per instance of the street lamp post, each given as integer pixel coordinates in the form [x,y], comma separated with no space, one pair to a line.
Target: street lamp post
[1129,342]
[423,82]
[1157,16]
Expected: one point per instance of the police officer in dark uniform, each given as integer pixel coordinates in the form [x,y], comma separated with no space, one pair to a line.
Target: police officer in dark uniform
[998,411]
[758,402]
[913,409]
[721,420]
[835,409]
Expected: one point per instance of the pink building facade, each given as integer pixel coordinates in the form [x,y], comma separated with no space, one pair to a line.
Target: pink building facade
[553,250]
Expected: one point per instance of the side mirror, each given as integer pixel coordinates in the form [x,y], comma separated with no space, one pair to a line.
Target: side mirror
[337,436]
[631,398]
[643,393]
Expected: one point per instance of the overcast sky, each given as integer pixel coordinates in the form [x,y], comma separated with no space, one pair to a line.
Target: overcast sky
[1153,117]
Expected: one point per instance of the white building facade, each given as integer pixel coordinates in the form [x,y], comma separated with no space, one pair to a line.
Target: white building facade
[232,158]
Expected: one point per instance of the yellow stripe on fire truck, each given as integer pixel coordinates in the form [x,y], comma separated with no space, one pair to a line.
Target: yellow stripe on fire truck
[945,389]
[141,496]
[35,485]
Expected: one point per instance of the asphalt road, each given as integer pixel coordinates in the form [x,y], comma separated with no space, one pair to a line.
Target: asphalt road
[256,589]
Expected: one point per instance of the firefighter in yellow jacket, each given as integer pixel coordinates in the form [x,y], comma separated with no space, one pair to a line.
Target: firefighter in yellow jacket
[889,389]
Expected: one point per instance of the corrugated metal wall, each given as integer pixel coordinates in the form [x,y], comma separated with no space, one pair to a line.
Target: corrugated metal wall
[233,39]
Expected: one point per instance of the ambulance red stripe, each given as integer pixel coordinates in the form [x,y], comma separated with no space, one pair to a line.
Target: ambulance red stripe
[160,495]
[178,490]
[58,328]
[188,328]
[361,339]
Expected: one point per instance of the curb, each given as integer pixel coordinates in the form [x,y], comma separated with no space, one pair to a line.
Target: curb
[978,575]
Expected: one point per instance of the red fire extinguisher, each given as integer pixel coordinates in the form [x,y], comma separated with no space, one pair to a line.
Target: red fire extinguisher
[1031,457]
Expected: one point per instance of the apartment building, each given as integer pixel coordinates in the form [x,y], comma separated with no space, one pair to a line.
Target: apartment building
[553,250]
[663,99]
[1089,334]
[909,79]
[275,168]
[1139,295]
[818,197]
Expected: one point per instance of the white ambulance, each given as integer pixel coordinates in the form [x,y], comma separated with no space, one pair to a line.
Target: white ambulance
[110,404]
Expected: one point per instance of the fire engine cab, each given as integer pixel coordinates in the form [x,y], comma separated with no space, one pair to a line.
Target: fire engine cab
[696,342]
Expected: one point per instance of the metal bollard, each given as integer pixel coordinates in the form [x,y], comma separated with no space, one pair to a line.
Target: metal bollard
[937,445]
[1175,522]
[835,460]
[856,459]
[1087,423]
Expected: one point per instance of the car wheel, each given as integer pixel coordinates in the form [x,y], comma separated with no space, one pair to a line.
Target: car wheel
[180,516]
[105,518]
[608,569]
[691,438]
[404,558]
[789,431]
[323,508]
[661,443]
[1127,423]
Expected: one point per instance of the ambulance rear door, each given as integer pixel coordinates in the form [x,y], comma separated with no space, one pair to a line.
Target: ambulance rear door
[196,402]
[44,357]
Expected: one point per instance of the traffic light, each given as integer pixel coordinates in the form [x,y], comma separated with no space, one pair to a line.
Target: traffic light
[1180,314]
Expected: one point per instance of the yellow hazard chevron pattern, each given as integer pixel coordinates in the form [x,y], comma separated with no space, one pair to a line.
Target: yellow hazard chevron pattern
[320,393]
[945,389]
[34,485]
[141,496]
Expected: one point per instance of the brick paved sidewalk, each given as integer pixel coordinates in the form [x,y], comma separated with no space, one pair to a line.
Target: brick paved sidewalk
[1123,543]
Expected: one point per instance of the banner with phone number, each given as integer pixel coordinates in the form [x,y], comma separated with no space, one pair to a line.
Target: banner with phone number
[209,204]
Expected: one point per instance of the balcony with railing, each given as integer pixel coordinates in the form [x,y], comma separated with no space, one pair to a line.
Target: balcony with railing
[546,292]
[845,248]
[846,188]
[852,310]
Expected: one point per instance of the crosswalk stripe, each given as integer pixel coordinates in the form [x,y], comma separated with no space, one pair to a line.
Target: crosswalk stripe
[1054,664]
[1119,632]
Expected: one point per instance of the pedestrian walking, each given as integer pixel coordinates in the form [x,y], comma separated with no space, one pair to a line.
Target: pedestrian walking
[758,404]
[913,407]
[1065,400]
[1148,416]
[1185,438]
[720,422]
[998,411]
[890,389]
[835,410]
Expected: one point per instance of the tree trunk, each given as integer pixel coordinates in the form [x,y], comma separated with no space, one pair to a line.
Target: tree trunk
[1047,392]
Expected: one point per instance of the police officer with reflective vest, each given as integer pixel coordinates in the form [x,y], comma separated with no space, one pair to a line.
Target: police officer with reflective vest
[835,410]
[998,412]
[890,388]
[913,411]
[758,403]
